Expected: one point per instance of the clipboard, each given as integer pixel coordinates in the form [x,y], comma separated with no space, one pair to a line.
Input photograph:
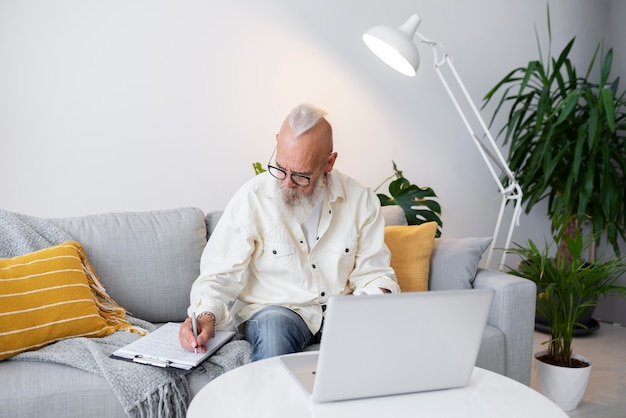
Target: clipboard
[161,348]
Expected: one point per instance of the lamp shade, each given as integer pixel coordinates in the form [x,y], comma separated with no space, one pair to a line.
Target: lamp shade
[395,46]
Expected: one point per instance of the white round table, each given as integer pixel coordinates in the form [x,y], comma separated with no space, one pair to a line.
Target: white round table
[266,389]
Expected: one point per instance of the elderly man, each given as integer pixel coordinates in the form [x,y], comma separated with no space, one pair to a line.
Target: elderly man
[289,240]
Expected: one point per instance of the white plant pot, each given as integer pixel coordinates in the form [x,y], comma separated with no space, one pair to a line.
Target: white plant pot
[565,386]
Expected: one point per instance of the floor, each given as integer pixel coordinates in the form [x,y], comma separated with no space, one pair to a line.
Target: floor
[606,394]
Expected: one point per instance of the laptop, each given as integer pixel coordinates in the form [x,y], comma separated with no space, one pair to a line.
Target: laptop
[379,345]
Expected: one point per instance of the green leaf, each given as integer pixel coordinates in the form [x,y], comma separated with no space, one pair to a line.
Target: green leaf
[258,168]
[419,203]
[607,102]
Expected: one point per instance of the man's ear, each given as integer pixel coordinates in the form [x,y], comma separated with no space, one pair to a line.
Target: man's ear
[331,162]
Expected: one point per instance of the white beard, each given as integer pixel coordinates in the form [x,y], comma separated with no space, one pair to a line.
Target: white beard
[293,203]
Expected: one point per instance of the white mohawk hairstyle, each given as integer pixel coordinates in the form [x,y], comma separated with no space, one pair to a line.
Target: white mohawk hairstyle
[304,117]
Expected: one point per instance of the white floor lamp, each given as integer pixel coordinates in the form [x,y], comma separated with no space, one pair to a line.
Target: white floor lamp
[397,49]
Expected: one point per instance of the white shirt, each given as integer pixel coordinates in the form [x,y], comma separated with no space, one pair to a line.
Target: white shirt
[257,258]
[310,226]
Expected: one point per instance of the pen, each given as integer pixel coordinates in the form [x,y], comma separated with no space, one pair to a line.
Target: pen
[194,326]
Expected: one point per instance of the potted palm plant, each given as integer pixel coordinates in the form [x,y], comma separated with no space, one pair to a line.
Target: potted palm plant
[567,140]
[566,287]
[567,143]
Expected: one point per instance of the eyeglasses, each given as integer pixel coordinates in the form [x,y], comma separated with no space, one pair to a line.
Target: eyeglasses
[302,180]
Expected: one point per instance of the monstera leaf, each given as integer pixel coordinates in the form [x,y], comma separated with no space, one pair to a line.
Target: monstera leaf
[419,203]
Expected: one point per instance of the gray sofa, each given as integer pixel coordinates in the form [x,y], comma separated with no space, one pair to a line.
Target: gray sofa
[148,261]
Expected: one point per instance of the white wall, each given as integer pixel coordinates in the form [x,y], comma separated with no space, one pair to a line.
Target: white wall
[126,105]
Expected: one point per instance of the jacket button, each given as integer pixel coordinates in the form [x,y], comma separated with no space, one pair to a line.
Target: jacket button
[313,265]
[347,250]
[274,252]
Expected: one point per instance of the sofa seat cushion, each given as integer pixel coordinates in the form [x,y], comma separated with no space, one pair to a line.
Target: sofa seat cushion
[146,260]
[62,389]
[67,391]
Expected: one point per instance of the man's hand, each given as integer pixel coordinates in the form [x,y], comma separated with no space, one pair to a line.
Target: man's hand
[206,330]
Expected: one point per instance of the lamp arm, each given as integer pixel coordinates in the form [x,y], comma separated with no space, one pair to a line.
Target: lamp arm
[491,155]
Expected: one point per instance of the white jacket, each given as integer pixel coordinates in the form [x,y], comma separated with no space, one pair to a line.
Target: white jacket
[256,258]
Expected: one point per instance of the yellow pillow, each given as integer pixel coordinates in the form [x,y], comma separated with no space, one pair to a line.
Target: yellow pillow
[410,248]
[50,295]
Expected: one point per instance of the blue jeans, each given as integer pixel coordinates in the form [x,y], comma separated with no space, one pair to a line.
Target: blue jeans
[276,330]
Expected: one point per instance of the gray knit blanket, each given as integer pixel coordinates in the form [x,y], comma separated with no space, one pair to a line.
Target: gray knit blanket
[143,391]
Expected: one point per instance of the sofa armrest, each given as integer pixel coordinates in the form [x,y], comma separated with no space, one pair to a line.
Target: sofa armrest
[512,312]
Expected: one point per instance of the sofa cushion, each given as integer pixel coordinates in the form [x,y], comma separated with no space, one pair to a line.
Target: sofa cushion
[454,262]
[212,218]
[55,390]
[410,248]
[393,215]
[50,295]
[146,260]
[66,391]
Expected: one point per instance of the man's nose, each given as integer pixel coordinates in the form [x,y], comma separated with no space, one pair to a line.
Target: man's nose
[288,182]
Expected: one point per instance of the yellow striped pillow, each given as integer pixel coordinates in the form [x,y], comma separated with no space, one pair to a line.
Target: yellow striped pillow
[50,295]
